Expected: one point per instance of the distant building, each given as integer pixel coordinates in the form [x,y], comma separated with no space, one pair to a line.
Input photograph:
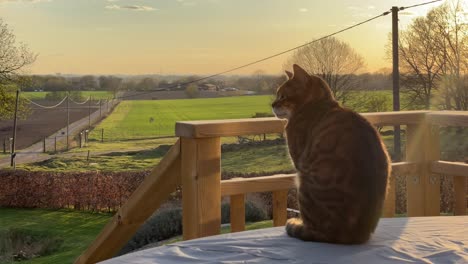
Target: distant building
[208,87]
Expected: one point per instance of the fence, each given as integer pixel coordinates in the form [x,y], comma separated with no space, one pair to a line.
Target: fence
[194,163]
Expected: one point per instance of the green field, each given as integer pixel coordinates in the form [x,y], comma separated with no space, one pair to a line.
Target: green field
[140,119]
[76,229]
[93,94]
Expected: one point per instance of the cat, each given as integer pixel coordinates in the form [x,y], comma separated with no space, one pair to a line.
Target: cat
[341,162]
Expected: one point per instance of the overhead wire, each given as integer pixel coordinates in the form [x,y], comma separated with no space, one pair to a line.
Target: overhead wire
[265,58]
[426,3]
[89,97]
[45,106]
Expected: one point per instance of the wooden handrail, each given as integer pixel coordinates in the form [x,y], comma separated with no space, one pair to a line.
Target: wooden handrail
[195,162]
[448,118]
[278,182]
[450,168]
[252,126]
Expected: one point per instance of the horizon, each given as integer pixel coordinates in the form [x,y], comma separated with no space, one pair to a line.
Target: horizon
[128,37]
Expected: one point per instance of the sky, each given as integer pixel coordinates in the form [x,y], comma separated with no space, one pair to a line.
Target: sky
[191,36]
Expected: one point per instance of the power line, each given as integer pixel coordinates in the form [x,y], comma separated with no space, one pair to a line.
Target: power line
[266,58]
[426,3]
[45,106]
[89,97]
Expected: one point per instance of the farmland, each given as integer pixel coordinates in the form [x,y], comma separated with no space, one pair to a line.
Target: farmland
[138,119]
[142,119]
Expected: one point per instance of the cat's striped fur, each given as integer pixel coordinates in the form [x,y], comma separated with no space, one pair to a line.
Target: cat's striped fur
[341,162]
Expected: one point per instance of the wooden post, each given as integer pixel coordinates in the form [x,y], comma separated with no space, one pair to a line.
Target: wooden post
[44,144]
[201,186]
[459,184]
[81,139]
[237,212]
[55,144]
[390,199]
[423,187]
[4,146]
[280,205]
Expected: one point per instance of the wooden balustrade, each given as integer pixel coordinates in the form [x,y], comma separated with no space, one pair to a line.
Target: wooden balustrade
[195,163]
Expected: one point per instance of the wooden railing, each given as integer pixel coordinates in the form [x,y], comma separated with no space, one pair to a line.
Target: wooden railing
[194,162]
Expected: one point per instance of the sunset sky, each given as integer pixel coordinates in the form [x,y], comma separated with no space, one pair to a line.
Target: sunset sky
[190,36]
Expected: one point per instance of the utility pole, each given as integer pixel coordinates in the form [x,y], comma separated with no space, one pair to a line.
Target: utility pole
[13,144]
[68,119]
[396,82]
[89,112]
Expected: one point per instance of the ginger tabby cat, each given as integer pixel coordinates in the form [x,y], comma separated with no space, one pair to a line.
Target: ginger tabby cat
[341,161]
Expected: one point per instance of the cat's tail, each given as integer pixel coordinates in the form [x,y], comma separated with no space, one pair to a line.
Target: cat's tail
[295,228]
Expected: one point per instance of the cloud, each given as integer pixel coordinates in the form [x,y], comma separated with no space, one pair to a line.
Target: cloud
[303,9]
[131,7]
[186,3]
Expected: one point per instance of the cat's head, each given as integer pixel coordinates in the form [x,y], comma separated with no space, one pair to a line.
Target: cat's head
[300,88]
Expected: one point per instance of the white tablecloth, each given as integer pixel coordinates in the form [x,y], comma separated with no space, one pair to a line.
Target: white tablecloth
[442,239]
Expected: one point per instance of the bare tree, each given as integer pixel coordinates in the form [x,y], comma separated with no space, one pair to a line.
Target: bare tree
[420,61]
[453,45]
[433,52]
[13,56]
[333,60]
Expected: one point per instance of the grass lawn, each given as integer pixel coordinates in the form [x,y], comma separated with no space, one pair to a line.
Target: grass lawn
[94,94]
[243,160]
[76,229]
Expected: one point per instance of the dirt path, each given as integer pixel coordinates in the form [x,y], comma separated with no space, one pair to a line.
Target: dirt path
[34,153]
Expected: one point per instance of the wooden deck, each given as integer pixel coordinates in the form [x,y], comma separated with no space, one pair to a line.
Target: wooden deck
[194,162]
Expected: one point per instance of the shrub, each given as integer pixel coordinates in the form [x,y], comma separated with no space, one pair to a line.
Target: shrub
[162,225]
[19,245]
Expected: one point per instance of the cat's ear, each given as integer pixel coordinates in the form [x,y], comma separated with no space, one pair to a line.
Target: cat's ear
[299,71]
[289,74]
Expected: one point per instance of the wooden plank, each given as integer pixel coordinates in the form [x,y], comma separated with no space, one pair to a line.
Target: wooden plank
[224,128]
[395,118]
[432,180]
[253,126]
[284,181]
[257,184]
[237,212]
[201,190]
[146,199]
[404,167]
[423,186]
[280,205]
[414,182]
[448,118]
[459,184]
[390,198]
[450,168]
